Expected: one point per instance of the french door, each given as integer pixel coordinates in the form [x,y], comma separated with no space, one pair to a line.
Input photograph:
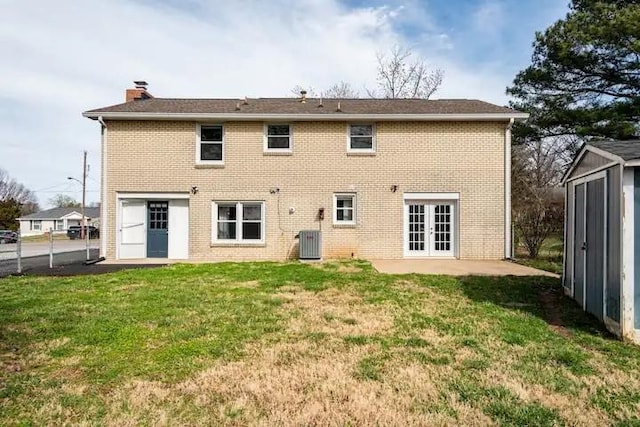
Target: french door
[429,229]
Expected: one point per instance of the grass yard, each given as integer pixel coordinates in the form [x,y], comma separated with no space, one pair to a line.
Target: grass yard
[296,344]
[549,257]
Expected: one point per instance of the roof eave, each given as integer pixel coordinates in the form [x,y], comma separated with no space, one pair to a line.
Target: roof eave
[305,117]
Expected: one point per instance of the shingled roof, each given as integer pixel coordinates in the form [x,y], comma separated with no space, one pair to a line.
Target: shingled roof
[57,213]
[315,107]
[627,150]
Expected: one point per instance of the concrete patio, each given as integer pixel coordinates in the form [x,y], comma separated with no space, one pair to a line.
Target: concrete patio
[457,267]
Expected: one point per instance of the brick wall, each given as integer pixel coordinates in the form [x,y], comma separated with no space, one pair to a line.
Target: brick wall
[462,157]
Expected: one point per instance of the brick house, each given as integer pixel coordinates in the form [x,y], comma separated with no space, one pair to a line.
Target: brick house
[227,179]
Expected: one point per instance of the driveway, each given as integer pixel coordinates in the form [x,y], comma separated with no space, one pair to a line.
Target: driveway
[31,249]
[457,267]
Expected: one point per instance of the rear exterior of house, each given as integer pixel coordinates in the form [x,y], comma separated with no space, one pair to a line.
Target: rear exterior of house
[238,180]
[602,234]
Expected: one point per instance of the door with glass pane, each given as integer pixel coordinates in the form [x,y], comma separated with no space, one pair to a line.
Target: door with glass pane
[429,229]
[157,229]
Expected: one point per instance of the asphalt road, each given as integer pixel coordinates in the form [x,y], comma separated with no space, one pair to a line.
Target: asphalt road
[64,264]
[32,249]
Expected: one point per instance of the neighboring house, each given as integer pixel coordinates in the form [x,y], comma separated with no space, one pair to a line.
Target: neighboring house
[226,179]
[56,219]
[602,234]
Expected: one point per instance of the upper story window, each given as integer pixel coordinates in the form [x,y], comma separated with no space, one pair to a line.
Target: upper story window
[278,138]
[362,138]
[210,146]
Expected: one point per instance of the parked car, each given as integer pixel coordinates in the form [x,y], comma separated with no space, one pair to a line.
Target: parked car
[8,236]
[73,232]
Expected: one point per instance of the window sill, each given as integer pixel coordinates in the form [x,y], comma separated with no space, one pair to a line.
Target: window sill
[346,225]
[361,153]
[209,165]
[278,153]
[238,245]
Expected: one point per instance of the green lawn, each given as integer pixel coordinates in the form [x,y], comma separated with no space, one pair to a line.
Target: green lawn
[297,344]
[549,258]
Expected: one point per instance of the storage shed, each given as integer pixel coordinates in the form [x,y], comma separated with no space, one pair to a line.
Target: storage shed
[602,234]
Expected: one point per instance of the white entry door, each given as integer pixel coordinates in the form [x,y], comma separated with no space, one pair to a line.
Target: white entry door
[429,229]
[133,214]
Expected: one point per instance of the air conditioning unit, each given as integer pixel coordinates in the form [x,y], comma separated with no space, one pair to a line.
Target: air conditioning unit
[310,242]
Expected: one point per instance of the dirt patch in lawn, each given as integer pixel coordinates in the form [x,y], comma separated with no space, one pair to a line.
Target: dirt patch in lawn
[313,385]
[335,312]
[551,300]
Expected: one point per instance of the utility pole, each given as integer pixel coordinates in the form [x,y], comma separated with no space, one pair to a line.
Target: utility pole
[83,229]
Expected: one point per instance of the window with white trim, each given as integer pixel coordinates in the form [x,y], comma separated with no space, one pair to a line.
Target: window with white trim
[344,208]
[210,144]
[278,137]
[36,225]
[58,224]
[362,138]
[238,222]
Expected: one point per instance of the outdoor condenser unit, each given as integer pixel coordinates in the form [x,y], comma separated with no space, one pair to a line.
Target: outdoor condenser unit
[310,244]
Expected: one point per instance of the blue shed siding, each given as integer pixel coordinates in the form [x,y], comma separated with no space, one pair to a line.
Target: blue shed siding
[636,239]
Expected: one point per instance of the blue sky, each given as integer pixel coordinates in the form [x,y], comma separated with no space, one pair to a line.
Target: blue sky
[60,58]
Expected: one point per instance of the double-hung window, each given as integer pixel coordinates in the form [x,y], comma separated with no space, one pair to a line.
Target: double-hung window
[344,209]
[238,222]
[36,225]
[278,138]
[362,138]
[210,144]
[59,224]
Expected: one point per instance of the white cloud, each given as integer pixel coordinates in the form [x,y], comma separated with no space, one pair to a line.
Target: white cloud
[490,17]
[60,58]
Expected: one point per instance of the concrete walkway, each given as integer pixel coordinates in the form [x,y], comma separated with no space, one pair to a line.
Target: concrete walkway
[455,267]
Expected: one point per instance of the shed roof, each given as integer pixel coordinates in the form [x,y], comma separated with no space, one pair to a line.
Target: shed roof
[57,213]
[627,150]
[311,107]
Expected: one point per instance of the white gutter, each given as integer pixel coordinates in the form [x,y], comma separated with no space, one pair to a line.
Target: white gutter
[306,117]
[104,236]
[508,250]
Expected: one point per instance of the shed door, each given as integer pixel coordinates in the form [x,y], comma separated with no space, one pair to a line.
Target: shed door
[579,245]
[595,247]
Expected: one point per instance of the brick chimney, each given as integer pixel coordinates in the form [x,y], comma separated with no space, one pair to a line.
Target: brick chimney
[139,93]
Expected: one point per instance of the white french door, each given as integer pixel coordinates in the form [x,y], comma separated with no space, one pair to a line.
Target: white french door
[429,229]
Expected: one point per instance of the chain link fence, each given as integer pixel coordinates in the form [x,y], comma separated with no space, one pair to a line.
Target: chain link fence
[52,249]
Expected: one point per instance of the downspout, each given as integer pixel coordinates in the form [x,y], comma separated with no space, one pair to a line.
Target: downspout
[104,235]
[508,250]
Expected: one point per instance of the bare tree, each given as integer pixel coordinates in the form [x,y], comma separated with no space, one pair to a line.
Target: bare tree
[538,205]
[10,189]
[401,75]
[311,92]
[63,201]
[341,90]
